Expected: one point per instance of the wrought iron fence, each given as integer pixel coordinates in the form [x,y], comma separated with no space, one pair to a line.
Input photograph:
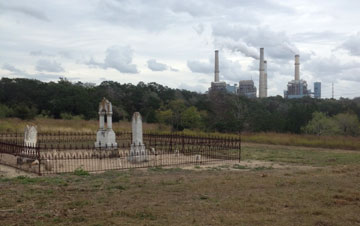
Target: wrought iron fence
[66,152]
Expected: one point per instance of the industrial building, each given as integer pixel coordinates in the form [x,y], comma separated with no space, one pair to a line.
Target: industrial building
[317,90]
[298,88]
[232,88]
[217,85]
[247,88]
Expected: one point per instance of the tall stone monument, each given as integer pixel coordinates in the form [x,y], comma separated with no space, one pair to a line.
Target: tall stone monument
[137,150]
[30,136]
[105,137]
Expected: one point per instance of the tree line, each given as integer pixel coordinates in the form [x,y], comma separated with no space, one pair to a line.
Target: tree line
[182,109]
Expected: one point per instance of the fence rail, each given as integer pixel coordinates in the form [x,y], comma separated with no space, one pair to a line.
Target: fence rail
[66,152]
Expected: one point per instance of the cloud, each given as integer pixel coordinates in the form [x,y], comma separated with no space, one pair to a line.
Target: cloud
[246,39]
[237,46]
[151,16]
[49,66]
[156,66]
[41,76]
[25,10]
[229,70]
[174,69]
[200,66]
[118,58]
[199,28]
[352,44]
[13,69]
[332,68]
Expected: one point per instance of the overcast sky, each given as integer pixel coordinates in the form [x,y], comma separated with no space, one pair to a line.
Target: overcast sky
[172,42]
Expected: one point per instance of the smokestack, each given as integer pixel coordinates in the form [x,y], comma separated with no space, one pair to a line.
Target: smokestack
[262,78]
[297,67]
[217,66]
[265,80]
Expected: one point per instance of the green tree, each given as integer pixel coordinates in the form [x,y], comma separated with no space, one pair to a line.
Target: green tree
[165,116]
[348,124]
[191,118]
[320,124]
[24,112]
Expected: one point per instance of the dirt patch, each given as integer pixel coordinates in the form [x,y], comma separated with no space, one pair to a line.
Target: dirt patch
[9,172]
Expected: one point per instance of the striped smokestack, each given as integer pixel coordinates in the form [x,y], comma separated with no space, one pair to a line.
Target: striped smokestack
[262,82]
[297,67]
[217,66]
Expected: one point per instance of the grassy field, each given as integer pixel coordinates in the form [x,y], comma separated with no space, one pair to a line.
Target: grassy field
[55,125]
[313,187]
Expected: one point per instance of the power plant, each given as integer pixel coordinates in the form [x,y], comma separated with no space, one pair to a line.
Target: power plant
[296,88]
[217,85]
[246,87]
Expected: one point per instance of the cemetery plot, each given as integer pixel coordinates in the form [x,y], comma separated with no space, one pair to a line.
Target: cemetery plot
[66,152]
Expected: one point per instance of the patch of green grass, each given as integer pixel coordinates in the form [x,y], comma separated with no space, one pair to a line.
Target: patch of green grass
[237,166]
[26,180]
[78,204]
[117,187]
[262,168]
[156,169]
[204,197]
[81,172]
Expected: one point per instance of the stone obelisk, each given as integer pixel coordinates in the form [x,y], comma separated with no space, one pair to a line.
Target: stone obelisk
[137,149]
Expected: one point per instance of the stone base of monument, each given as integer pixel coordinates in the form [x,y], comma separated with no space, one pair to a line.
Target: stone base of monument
[105,139]
[138,153]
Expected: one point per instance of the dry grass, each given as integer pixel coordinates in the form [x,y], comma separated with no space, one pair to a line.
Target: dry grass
[225,195]
[177,197]
[55,125]
[336,142]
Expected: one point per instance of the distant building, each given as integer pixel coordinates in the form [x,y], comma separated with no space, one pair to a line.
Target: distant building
[297,89]
[231,89]
[247,88]
[218,86]
[317,90]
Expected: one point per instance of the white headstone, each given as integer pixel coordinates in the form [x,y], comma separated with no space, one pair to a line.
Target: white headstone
[30,136]
[105,137]
[137,150]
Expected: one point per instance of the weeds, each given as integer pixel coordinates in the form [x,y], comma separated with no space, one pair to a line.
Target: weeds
[81,172]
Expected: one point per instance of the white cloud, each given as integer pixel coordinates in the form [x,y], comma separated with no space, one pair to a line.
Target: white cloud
[200,66]
[156,66]
[118,58]
[25,10]
[230,70]
[352,44]
[49,66]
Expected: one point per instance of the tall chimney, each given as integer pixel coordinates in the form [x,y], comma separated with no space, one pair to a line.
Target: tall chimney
[297,67]
[217,66]
[262,90]
[265,77]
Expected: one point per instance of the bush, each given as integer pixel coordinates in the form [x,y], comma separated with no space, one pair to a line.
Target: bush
[66,116]
[24,112]
[5,111]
